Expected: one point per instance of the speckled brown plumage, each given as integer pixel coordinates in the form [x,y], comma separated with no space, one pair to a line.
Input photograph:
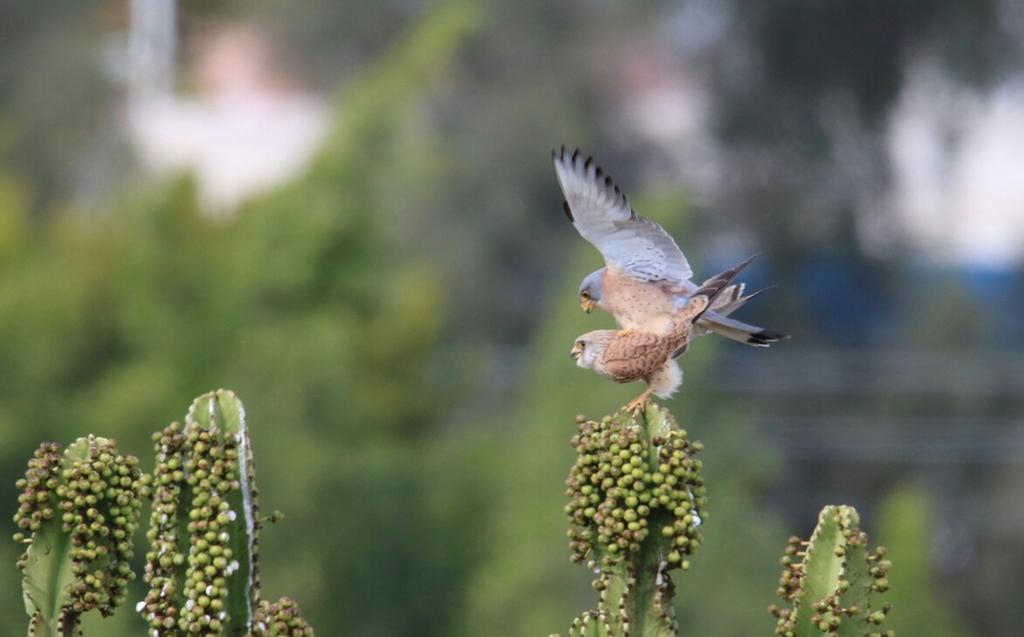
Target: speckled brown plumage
[630,355]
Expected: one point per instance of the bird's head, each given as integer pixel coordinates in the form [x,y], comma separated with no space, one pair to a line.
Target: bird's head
[590,290]
[588,347]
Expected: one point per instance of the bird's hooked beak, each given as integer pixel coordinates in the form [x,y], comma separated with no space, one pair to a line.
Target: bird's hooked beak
[577,349]
[588,304]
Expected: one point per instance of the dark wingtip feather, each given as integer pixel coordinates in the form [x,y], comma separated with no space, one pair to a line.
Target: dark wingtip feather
[568,212]
[717,284]
[754,295]
[764,338]
[574,156]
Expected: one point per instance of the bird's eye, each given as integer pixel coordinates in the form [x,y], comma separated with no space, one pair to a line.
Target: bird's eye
[585,295]
[581,344]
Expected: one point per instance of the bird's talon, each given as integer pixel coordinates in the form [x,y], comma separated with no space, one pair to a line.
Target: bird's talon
[637,405]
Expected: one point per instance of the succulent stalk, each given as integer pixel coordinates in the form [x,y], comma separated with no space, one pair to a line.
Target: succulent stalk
[77,513]
[79,510]
[202,564]
[831,581]
[636,503]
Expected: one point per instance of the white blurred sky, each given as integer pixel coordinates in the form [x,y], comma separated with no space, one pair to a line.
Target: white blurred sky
[959,170]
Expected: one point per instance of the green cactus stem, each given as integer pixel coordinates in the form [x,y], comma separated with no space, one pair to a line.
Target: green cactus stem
[831,582]
[636,503]
[202,564]
[77,513]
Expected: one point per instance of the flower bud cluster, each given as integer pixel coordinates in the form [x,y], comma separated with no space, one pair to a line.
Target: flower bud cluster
[100,499]
[623,487]
[164,559]
[591,622]
[36,502]
[211,475]
[843,604]
[203,465]
[282,619]
[98,495]
[792,571]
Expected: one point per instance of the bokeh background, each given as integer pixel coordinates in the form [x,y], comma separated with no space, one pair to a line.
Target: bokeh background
[346,212]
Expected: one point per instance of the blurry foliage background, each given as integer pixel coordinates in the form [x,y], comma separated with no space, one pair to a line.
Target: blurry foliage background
[396,317]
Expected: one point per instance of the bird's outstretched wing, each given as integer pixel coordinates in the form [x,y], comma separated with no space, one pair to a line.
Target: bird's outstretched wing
[602,215]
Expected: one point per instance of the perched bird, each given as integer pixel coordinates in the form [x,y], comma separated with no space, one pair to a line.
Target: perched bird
[646,278]
[629,355]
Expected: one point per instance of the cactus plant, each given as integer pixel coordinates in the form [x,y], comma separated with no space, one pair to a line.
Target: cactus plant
[832,580]
[80,509]
[202,563]
[636,503]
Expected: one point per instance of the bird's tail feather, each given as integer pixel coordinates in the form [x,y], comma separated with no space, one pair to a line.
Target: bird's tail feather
[739,331]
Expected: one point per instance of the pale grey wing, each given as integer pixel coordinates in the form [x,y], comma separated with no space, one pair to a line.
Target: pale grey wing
[602,215]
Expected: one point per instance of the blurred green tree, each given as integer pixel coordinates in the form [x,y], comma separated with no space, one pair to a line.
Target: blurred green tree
[918,606]
[108,323]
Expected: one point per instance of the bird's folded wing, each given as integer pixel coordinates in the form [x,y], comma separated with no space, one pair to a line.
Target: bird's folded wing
[602,215]
[631,355]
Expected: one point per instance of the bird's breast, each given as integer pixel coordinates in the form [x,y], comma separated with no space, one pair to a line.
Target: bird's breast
[637,304]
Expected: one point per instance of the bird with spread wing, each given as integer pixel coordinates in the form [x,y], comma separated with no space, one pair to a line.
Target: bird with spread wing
[646,278]
[629,355]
